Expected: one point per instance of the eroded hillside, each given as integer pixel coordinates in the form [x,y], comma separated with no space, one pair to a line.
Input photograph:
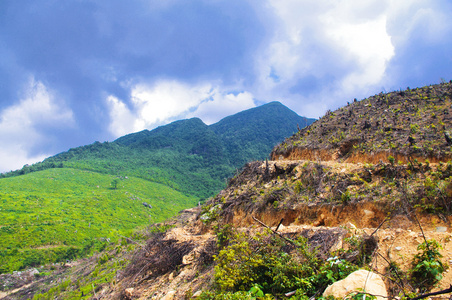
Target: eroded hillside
[409,124]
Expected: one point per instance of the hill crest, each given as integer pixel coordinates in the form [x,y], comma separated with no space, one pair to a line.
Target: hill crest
[407,125]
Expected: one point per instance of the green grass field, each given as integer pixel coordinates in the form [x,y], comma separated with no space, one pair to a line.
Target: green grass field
[64,213]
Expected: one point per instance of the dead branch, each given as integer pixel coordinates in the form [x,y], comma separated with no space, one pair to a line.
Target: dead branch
[381,224]
[274,231]
[449,290]
[280,222]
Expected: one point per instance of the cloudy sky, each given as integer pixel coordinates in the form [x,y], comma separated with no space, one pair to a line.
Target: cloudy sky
[77,71]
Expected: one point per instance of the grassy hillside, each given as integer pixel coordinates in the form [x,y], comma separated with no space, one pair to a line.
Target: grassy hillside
[62,213]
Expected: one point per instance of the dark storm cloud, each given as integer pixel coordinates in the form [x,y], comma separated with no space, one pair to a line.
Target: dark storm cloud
[74,42]
[86,50]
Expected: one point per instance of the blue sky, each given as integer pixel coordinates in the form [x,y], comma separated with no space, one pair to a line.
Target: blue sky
[77,71]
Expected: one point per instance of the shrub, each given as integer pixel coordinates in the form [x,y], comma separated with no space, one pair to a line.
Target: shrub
[427,266]
[267,264]
[391,159]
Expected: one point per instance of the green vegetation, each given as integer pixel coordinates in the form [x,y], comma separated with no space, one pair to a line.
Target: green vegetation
[73,203]
[427,266]
[186,155]
[63,213]
[266,266]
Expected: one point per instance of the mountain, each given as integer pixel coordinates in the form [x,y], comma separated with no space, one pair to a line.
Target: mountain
[71,204]
[251,134]
[368,186]
[187,155]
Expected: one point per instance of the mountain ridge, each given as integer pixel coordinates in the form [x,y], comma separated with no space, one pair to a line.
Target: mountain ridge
[153,154]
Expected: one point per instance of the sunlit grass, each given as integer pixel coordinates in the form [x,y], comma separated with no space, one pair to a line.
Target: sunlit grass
[61,213]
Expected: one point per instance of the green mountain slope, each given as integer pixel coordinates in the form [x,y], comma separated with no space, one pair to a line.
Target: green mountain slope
[187,155]
[251,134]
[62,213]
[66,206]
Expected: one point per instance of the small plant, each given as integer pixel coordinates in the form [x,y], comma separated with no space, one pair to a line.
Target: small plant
[362,296]
[114,183]
[345,197]
[298,187]
[224,233]
[334,269]
[210,213]
[427,266]
[391,160]
[414,128]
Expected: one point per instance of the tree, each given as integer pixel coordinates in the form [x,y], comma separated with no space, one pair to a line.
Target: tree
[114,183]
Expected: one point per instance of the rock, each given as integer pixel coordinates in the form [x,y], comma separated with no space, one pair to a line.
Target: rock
[398,248]
[197,294]
[387,238]
[441,229]
[349,225]
[338,245]
[169,296]
[368,213]
[33,272]
[360,280]
[128,293]
[189,258]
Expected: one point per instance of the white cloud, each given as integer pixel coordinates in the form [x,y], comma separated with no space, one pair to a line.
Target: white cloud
[122,119]
[166,101]
[223,104]
[369,46]
[20,123]
[155,104]
[343,44]
[324,53]
[425,19]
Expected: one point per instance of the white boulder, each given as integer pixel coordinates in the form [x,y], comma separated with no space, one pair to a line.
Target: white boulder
[358,281]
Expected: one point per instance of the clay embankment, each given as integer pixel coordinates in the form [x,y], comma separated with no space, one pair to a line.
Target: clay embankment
[349,156]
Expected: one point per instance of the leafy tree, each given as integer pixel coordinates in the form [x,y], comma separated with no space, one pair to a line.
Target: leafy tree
[115,183]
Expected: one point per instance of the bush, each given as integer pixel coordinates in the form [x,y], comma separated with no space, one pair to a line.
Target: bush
[269,264]
[427,266]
